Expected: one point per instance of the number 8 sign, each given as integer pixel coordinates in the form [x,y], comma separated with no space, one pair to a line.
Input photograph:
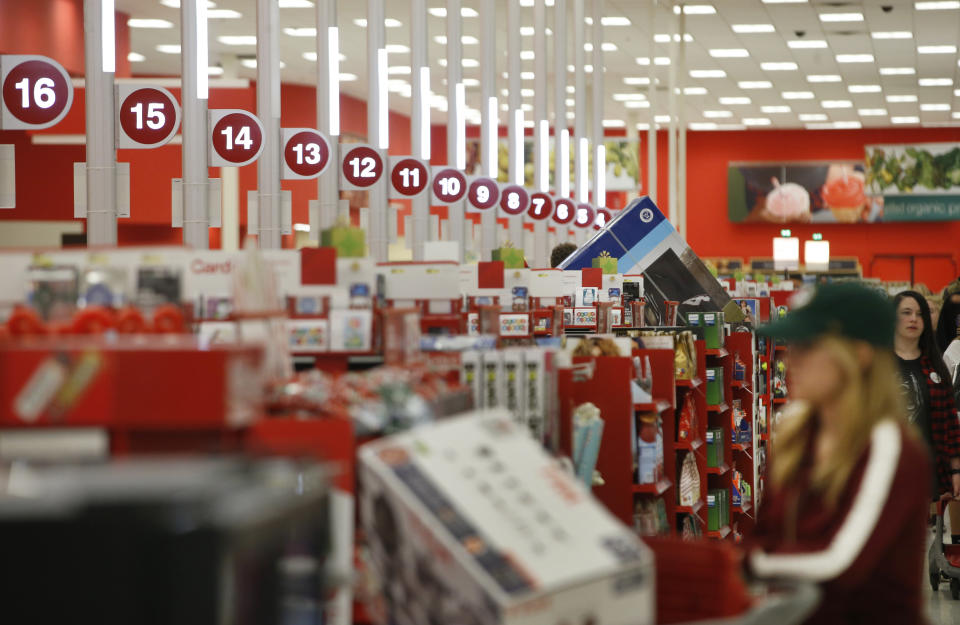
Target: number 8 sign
[37,92]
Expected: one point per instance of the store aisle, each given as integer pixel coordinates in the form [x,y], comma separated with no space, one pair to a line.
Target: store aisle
[941,608]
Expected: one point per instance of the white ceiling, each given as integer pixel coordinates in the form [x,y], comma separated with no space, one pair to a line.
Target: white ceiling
[833,102]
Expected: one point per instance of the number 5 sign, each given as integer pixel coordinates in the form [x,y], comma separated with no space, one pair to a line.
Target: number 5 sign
[37,92]
[306,153]
[148,117]
[236,137]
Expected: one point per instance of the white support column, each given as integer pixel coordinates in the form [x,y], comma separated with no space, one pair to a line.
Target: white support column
[378,129]
[328,114]
[652,98]
[581,144]
[420,120]
[490,116]
[100,66]
[515,120]
[599,153]
[542,128]
[682,130]
[672,126]
[268,110]
[561,133]
[456,130]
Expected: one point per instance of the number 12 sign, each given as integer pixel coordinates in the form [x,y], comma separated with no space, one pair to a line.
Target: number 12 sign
[361,166]
[37,92]
[236,137]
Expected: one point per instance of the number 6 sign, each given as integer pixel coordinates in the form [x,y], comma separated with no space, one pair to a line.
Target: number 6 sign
[148,116]
[37,92]
[306,153]
[236,137]
[361,167]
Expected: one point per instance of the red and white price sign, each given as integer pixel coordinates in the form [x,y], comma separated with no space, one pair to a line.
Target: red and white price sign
[449,185]
[483,193]
[601,219]
[564,211]
[514,200]
[361,166]
[148,116]
[236,137]
[409,177]
[541,206]
[306,153]
[585,216]
[37,92]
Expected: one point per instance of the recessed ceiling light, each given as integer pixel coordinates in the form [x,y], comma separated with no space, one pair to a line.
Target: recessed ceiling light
[934,107]
[864,88]
[615,20]
[824,78]
[784,1]
[135,57]
[717,114]
[215,71]
[312,56]
[527,75]
[944,49]
[572,89]
[605,46]
[836,104]
[934,6]
[812,117]
[361,22]
[471,82]
[696,9]
[347,77]
[468,12]
[399,70]
[755,84]
[892,34]
[637,104]
[175,4]
[527,93]
[906,119]
[252,63]
[955,115]
[527,107]
[775,109]
[835,125]
[224,14]
[470,63]
[935,82]
[756,121]
[527,55]
[734,100]
[631,80]
[625,97]
[660,60]
[802,44]
[662,119]
[780,66]
[238,40]
[707,73]
[399,48]
[570,102]
[841,17]
[392,23]
[694,91]
[854,58]
[665,38]
[702,126]
[614,123]
[746,29]
[295,4]
[871,112]
[797,95]
[169,48]
[135,22]
[897,71]
[902,98]
[305,31]
[729,53]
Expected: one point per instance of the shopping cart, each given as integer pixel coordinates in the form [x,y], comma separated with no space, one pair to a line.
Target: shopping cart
[944,559]
[782,603]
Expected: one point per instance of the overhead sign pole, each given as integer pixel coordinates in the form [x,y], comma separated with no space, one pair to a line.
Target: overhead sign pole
[100,66]
[542,130]
[270,225]
[515,123]
[582,156]
[323,213]
[599,155]
[193,94]
[456,129]
[420,121]
[652,98]
[378,129]
[489,116]
[561,132]
[682,130]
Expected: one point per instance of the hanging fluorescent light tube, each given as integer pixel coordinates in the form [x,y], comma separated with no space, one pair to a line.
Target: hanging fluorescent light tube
[493,166]
[202,82]
[461,138]
[600,164]
[425,113]
[518,145]
[383,111]
[107,38]
[583,190]
[563,161]
[333,78]
[543,155]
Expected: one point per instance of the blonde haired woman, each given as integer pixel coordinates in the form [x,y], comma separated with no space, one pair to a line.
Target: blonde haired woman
[849,486]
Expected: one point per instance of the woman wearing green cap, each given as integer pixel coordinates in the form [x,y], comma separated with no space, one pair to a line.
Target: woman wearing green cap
[848,493]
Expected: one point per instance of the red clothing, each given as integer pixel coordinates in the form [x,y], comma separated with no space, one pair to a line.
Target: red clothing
[944,425]
[867,553]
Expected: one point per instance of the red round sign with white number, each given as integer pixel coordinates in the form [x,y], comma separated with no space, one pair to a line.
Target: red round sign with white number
[483,193]
[237,138]
[449,186]
[148,116]
[564,211]
[585,216]
[307,153]
[541,206]
[37,92]
[409,177]
[362,166]
[601,219]
[514,200]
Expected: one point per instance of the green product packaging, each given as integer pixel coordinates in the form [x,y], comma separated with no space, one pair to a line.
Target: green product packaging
[693,319]
[350,242]
[606,262]
[714,386]
[712,323]
[713,511]
[512,257]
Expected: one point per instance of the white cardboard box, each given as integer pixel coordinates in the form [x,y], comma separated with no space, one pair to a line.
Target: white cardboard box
[470,521]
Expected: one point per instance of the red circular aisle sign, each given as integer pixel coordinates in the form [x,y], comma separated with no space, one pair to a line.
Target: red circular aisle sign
[237,138]
[601,219]
[306,153]
[409,177]
[564,211]
[483,193]
[585,216]
[37,92]
[541,206]
[514,200]
[149,116]
[449,186]
[362,166]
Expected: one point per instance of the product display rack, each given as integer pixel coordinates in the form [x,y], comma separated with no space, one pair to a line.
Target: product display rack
[694,387]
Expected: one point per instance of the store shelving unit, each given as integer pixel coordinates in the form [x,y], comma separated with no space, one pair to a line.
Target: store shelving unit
[694,388]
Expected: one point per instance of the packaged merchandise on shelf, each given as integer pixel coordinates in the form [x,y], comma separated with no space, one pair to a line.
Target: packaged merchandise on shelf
[690,528]
[712,323]
[780,380]
[104,286]
[158,285]
[715,448]
[642,387]
[649,449]
[587,436]
[742,430]
[513,396]
[493,379]
[471,375]
[607,263]
[685,356]
[650,517]
[739,368]
[718,509]
[511,257]
[349,241]
[689,491]
[687,425]
[53,291]
[715,394]
[530,549]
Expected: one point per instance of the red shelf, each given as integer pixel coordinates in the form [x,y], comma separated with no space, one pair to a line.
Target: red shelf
[740,447]
[745,508]
[657,406]
[653,489]
[720,408]
[694,383]
[780,348]
[765,436]
[695,508]
[740,384]
[722,533]
[688,445]
[721,470]
[719,353]
[779,400]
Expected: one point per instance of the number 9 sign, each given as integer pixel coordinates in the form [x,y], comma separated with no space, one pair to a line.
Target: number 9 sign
[236,138]
[37,92]
[306,153]
[483,193]
[564,212]
[585,216]
[149,117]
[361,168]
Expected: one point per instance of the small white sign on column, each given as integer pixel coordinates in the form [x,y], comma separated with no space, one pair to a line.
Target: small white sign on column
[8,177]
